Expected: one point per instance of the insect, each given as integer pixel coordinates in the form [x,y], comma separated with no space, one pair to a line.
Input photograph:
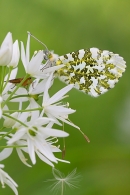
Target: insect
[18,80]
[92,71]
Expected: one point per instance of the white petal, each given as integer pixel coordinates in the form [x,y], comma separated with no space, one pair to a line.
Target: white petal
[69,123]
[54,132]
[43,158]
[15,55]
[34,64]
[9,122]
[34,114]
[12,76]
[43,120]
[55,149]
[53,117]
[18,135]
[58,110]
[45,150]
[61,160]
[23,57]
[6,50]
[22,157]
[39,88]
[48,84]
[31,151]
[28,49]
[23,118]
[52,69]
[6,152]
[5,178]
[2,166]
[58,96]
[12,186]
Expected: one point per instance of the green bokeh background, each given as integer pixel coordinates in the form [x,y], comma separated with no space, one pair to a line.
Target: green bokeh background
[65,26]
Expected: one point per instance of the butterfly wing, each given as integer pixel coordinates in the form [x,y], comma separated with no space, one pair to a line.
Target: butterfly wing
[92,71]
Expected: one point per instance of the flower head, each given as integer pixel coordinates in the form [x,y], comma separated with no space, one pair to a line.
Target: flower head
[36,135]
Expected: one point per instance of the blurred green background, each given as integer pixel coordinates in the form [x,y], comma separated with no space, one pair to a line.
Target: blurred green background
[65,26]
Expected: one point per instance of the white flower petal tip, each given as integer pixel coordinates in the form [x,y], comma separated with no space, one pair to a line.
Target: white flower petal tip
[6,50]
[15,56]
[5,153]
[55,132]
[65,161]
[32,67]
[51,69]
[6,179]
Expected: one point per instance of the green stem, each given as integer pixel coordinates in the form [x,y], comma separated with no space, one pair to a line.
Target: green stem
[13,146]
[4,135]
[62,188]
[18,96]
[7,80]
[29,110]
[2,128]
[2,75]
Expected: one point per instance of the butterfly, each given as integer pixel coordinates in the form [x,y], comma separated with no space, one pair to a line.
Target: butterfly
[92,71]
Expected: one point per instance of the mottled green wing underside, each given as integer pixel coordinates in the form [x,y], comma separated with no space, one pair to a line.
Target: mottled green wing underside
[91,71]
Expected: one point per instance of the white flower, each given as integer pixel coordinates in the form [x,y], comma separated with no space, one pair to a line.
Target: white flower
[6,179]
[36,137]
[15,55]
[6,50]
[32,67]
[55,109]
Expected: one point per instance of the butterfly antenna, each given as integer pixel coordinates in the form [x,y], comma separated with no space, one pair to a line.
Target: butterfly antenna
[38,40]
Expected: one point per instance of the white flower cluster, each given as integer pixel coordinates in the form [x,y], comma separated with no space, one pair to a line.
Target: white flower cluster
[27,124]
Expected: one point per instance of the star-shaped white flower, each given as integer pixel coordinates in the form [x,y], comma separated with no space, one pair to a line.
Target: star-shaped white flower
[36,135]
[55,109]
